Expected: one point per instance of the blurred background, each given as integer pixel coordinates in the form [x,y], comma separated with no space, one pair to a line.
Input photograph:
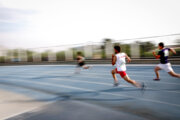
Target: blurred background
[53,31]
[95,52]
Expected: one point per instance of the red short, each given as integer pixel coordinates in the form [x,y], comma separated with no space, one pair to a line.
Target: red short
[122,73]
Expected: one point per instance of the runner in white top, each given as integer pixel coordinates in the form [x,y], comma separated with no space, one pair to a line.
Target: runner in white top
[120,60]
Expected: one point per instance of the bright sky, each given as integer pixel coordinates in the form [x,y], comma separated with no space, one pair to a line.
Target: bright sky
[37,23]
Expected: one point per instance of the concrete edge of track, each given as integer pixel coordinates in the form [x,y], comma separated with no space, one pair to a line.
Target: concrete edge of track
[12,104]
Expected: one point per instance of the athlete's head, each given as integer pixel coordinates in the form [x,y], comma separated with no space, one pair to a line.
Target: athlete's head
[161,45]
[117,49]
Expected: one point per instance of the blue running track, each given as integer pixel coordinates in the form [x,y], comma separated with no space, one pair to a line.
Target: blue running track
[93,90]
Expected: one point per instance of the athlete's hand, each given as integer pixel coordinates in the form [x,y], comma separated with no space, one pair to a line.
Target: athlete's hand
[113,56]
[113,59]
[129,60]
[153,52]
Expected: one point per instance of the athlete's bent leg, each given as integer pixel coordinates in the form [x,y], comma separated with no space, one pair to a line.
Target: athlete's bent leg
[156,69]
[114,76]
[172,73]
[85,67]
[126,78]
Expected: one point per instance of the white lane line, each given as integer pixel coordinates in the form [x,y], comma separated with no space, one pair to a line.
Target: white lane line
[88,75]
[143,99]
[19,113]
[46,84]
[64,65]
[27,110]
[103,73]
[108,84]
[106,93]
[108,73]
[66,70]
[129,73]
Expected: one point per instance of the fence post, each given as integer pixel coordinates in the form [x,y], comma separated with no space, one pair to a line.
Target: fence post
[135,50]
[37,57]
[69,55]
[108,49]
[22,55]
[88,51]
[51,57]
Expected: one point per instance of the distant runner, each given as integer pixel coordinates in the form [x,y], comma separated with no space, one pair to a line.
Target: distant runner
[81,63]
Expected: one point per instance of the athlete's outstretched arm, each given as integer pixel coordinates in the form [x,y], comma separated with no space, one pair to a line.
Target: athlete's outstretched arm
[128,58]
[172,50]
[156,56]
[80,59]
[113,59]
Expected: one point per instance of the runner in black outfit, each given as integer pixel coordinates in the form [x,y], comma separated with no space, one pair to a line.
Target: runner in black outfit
[164,63]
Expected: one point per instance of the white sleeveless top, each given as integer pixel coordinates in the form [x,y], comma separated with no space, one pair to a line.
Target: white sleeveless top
[121,62]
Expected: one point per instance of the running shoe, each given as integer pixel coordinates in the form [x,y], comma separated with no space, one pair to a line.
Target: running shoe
[116,84]
[156,79]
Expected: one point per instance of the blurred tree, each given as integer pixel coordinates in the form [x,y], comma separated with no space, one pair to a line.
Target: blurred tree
[177,48]
[60,56]
[44,56]
[15,53]
[126,48]
[146,48]
[106,40]
[29,55]
[2,59]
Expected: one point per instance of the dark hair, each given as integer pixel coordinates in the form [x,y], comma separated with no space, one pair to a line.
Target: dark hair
[118,48]
[78,53]
[161,44]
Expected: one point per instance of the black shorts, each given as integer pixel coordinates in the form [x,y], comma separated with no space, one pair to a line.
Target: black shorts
[81,64]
